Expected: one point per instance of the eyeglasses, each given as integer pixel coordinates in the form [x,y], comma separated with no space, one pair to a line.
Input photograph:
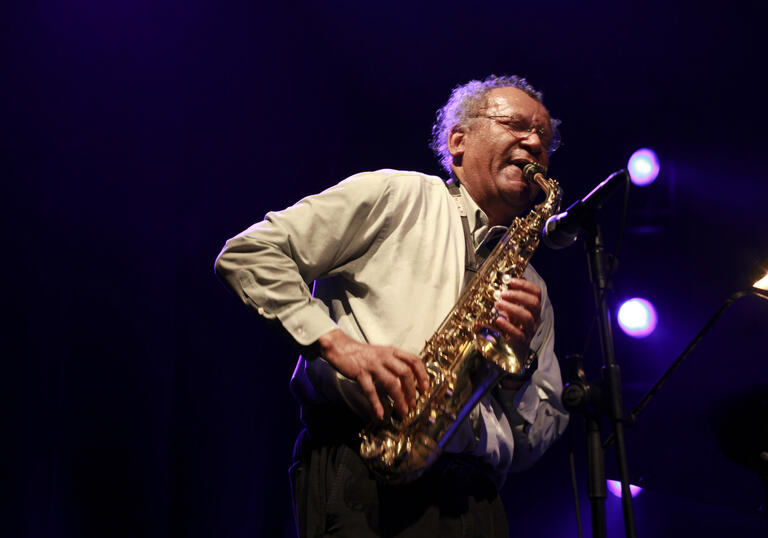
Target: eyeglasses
[520,128]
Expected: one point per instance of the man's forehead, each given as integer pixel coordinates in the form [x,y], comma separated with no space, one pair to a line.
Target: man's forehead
[512,101]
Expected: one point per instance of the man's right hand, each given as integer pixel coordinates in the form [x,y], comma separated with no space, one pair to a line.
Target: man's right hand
[399,372]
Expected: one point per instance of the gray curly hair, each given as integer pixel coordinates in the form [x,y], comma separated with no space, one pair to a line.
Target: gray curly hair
[465,101]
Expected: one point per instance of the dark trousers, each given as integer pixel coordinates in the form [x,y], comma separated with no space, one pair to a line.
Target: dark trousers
[334,494]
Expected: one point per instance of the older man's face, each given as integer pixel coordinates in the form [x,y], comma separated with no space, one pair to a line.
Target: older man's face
[491,145]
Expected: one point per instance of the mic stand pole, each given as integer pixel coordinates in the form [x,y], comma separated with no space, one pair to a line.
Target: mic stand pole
[596,490]
[611,382]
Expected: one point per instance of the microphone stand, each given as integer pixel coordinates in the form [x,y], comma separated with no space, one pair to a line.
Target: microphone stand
[603,397]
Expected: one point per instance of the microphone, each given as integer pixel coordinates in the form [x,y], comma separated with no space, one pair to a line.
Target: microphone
[563,229]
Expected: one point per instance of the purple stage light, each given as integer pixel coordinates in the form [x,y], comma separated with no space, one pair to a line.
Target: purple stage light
[643,167]
[615,487]
[637,317]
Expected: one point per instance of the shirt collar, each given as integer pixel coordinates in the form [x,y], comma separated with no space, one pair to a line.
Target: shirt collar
[477,219]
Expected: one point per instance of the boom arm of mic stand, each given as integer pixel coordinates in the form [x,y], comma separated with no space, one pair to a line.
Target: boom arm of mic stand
[676,364]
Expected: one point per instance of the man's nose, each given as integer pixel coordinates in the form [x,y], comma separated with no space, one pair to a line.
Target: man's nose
[533,144]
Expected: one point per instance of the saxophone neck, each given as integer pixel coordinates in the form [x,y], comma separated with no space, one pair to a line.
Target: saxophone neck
[535,173]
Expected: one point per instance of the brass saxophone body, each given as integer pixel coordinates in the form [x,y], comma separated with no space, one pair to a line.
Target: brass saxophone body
[465,358]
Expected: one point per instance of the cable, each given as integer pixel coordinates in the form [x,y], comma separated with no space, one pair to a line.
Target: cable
[574,485]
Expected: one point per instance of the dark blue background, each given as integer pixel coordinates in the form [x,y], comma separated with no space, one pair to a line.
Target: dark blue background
[138,398]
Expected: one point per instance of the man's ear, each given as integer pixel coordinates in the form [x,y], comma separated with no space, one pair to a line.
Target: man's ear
[456,141]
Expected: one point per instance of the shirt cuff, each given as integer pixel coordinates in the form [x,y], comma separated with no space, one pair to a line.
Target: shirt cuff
[527,402]
[308,323]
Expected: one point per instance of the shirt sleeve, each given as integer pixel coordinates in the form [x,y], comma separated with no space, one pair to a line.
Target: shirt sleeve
[535,412]
[271,265]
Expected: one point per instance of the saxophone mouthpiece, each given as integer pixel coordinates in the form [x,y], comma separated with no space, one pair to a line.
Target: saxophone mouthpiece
[531,169]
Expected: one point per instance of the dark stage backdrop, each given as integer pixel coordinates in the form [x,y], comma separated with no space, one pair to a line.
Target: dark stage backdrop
[138,398]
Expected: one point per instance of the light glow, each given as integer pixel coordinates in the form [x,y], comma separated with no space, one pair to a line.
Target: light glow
[643,167]
[637,317]
[614,486]
[762,284]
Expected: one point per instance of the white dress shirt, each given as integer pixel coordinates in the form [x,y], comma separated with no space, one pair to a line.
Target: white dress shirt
[385,251]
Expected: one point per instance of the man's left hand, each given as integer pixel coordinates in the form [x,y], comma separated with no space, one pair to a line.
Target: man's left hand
[519,315]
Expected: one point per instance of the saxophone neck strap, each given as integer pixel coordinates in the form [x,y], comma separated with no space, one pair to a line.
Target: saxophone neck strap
[471,261]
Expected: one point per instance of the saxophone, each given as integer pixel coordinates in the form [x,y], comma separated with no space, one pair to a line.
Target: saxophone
[465,358]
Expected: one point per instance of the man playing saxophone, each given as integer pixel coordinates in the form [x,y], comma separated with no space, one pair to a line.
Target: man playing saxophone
[389,253]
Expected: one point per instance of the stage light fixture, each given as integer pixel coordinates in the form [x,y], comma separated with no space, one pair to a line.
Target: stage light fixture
[762,283]
[643,167]
[637,317]
[614,486]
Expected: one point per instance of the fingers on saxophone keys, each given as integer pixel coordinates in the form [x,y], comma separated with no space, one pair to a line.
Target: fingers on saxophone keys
[417,367]
[512,330]
[516,313]
[366,383]
[394,388]
[407,383]
[524,285]
[530,301]
[405,374]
